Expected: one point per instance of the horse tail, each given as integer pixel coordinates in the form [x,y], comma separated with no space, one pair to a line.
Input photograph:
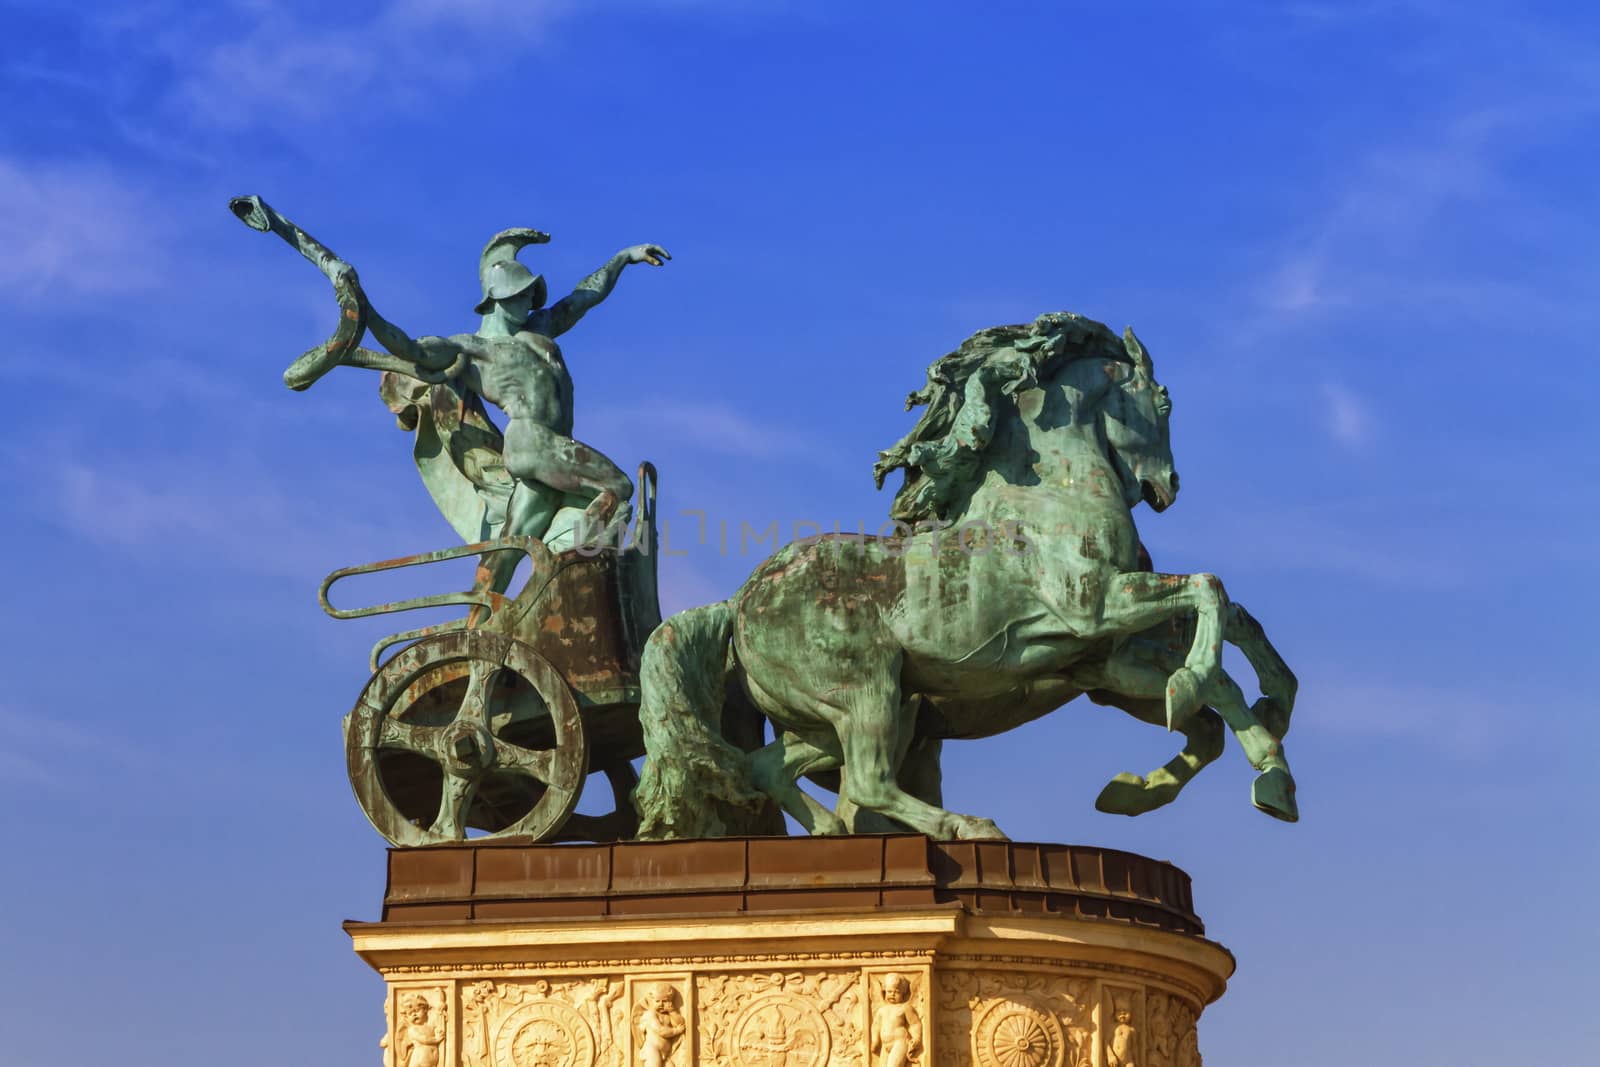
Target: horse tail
[694,783]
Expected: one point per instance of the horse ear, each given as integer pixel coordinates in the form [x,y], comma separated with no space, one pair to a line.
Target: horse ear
[1136,352]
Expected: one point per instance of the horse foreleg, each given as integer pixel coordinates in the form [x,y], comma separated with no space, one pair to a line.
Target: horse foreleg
[1273,789]
[919,775]
[1135,794]
[1136,601]
[1135,685]
[875,727]
[1277,681]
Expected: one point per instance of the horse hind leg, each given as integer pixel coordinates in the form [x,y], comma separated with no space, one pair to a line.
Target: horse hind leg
[777,769]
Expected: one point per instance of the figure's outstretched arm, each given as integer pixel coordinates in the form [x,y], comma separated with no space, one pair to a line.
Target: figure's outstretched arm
[426,358]
[564,314]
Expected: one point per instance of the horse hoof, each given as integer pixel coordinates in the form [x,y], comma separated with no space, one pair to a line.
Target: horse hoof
[1183,697]
[971,828]
[1273,793]
[1123,795]
[825,824]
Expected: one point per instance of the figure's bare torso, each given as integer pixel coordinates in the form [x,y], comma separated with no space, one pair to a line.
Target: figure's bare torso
[524,376]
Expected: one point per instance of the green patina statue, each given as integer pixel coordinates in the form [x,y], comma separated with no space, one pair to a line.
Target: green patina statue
[521,479]
[1016,585]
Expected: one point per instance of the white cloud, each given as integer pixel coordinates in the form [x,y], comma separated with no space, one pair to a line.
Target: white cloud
[75,229]
[221,512]
[708,426]
[1334,537]
[278,67]
[1385,227]
[38,750]
[1460,724]
[1298,285]
[1346,416]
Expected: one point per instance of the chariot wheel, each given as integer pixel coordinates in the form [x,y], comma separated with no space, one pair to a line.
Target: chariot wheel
[466,731]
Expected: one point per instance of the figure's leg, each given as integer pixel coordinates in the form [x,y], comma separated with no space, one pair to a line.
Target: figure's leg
[537,453]
[1135,601]
[528,514]
[777,768]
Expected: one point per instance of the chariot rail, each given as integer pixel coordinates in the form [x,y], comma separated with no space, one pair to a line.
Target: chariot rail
[490,601]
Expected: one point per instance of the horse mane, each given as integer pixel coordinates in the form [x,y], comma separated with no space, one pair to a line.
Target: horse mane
[964,389]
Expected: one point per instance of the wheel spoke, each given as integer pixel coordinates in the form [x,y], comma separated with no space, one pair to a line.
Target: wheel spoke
[475,705]
[451,821]
[423,740]
[539,764]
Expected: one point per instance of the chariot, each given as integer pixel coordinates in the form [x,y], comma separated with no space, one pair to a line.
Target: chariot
[490,726]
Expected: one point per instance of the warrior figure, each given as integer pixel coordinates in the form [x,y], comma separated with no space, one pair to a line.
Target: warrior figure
[513,362]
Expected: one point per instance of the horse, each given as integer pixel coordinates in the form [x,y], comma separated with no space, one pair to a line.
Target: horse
[1012,585]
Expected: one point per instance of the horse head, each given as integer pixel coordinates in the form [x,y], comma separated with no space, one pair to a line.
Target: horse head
[1134,417]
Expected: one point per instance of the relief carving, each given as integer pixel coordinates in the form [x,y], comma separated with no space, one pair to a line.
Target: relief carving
[1014,1018]
[1170,1038]
[781,1030]
[1122,1033]
[659,1023]
[417,1035]
[794,1019]
[896,1024]
[544,1033]
[957,996]
[570,1023]
[1017,1032]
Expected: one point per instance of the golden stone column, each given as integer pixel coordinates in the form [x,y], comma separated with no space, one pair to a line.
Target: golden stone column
[888,951]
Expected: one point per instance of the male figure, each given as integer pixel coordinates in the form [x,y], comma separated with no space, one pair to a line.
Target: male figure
[417,1041]
[660,1024]
[513,362]
[896,1026]
[1120,1050]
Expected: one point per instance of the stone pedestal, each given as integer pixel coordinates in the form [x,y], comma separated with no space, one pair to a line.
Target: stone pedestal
[889,951]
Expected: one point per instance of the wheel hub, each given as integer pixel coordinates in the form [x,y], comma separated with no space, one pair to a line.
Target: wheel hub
[466,748]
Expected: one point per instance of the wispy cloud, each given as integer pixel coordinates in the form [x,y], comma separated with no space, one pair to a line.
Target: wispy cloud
[1334,537]
[222,511]
[1383,230]
[76,229]
[1347,418]
[710,427]
[1459,724]
[42,751]
[272,66]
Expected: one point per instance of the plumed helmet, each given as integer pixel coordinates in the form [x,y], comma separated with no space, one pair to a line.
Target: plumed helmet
[502,276]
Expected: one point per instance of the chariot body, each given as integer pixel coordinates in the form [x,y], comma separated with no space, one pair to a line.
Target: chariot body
[490,725]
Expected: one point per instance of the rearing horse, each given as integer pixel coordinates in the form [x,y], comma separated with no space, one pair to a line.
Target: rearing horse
[1015,587]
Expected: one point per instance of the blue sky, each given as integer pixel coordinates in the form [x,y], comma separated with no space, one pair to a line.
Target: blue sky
[1358,238]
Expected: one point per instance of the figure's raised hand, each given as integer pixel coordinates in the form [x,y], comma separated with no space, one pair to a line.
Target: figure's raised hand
[651,254]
